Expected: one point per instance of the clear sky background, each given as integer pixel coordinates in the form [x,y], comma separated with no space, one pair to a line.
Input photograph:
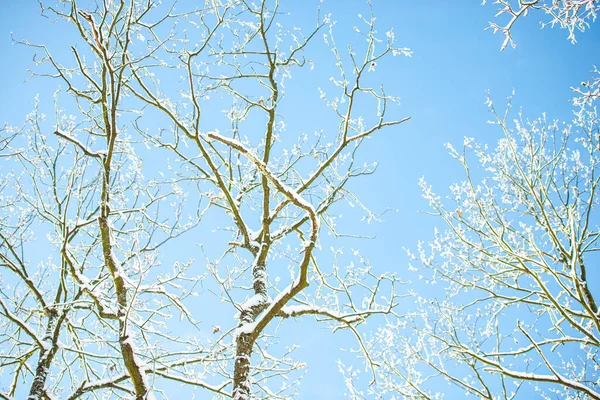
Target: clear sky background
[442,88]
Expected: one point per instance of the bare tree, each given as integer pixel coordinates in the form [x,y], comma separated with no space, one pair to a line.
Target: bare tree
[573,15]
[93,311]
[248,66]
[515,312]
[278,192]
[60,317]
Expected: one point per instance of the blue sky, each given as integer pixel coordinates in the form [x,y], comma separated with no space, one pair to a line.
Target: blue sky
[442,88]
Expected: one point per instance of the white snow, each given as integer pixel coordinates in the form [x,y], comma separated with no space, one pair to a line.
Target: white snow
[254,301]
[246,328]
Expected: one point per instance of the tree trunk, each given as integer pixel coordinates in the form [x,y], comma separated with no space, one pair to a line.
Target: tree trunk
[241,375]
[46,355]
[245,339]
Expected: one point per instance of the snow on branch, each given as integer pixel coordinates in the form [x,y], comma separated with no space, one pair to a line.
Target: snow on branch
[290,193]
[79,145]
